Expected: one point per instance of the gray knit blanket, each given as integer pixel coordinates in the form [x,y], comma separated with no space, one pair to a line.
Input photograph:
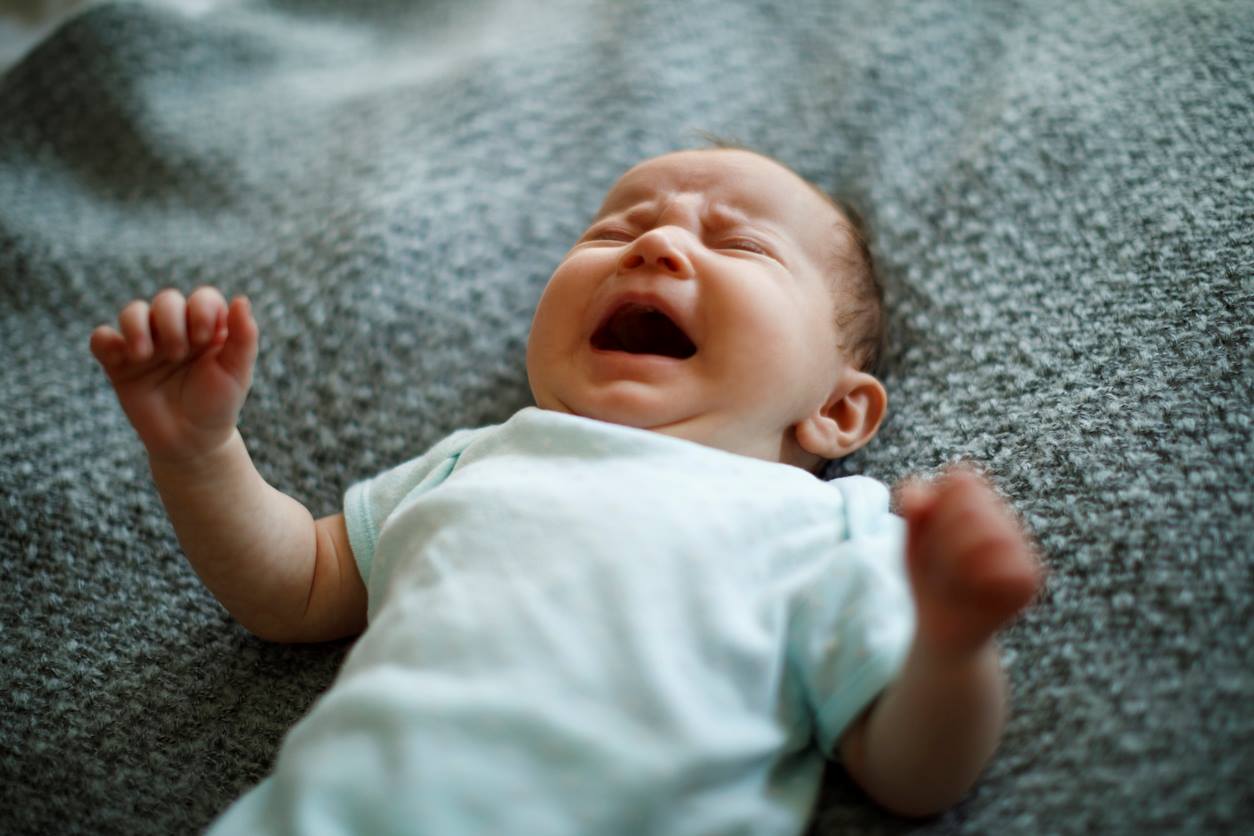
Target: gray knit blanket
[1062,201]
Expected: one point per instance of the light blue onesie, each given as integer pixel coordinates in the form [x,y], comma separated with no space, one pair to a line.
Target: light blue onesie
[583,628]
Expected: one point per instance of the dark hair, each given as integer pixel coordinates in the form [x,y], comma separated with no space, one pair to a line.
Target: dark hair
[863,315]
[860,322]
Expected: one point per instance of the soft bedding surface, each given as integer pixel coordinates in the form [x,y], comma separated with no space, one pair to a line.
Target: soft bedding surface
[1060,195]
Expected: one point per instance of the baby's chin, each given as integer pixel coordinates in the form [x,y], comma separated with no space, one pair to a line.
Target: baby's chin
[709,427]
[628,403]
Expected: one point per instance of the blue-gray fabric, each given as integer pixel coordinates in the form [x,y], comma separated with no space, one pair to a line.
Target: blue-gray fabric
[1060,200]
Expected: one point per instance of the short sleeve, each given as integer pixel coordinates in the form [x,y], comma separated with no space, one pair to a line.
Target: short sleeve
[368,504]
[854,621]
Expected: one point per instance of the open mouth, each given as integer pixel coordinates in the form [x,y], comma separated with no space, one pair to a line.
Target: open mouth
[641,329]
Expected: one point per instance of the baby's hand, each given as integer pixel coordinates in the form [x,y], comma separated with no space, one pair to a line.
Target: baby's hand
[970,565]
[181,368]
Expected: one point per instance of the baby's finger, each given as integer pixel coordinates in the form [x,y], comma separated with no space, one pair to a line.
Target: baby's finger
[168,318]
[206,309]
[986,553]
[915,499]
[133,322]
[983,543]
[108,346]
[240,349]
[1007,579]
[967,513]
[958,516]
[963,487]
[963,478]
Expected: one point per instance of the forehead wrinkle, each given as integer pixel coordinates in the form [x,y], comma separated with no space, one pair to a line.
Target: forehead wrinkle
[643,182]
[715,214]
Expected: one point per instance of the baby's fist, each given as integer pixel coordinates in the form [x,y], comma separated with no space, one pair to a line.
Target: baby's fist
[970,566]
[181,368]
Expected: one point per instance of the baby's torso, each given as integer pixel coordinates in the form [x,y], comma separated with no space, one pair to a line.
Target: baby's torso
[614,614]
[590,622]
[537,563]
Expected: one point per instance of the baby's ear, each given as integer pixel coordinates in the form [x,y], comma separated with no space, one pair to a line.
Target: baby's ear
[847,420]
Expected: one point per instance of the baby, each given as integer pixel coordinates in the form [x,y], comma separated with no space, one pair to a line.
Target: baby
[631,608]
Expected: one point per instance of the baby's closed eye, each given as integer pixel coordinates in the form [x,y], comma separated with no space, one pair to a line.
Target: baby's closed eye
[743,244]
[610,234]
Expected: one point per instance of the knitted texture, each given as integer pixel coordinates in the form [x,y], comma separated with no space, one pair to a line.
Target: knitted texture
[1060,200]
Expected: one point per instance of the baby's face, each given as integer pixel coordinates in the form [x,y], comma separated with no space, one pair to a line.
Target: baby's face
[697,304]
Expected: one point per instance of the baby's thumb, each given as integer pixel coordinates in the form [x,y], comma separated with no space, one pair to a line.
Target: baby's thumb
[916,500]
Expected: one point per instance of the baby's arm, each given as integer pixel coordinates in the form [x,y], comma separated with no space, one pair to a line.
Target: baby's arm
[926,739]
[181,369]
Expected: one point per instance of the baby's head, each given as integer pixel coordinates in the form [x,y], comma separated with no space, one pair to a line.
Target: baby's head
[717,297]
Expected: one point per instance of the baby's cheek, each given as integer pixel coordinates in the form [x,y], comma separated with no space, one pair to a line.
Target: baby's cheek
[556,310]
[782,335]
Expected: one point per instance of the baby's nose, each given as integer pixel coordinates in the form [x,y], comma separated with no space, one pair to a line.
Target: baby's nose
[657,248]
